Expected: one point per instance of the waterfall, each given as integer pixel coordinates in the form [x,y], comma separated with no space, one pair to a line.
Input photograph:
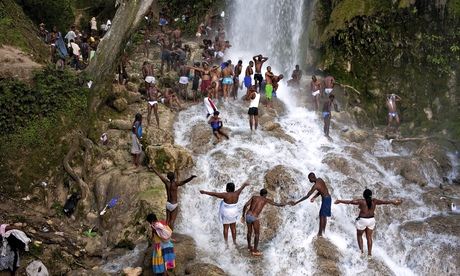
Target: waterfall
[275,29]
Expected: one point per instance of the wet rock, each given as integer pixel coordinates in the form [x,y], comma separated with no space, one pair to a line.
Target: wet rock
[133,97]
[270,126]
[120,124]
[168,157]
[204,269]
[200,138]
[156,136]
[283,181]
[337,163]
[327,257]
[132,87]
[120,104]
[356,135]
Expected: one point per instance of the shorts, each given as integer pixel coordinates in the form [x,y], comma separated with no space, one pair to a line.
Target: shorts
[363,223]
[247,81]
[204,85]
[393,114]
[258,77]
[227,81]
[163,22]
[152,103]
[253,111]
[250,218]
[328,90]
[326,114]
[183,80]
[325,210]
[150,79]
[268,91]
[196,83]
[315,93]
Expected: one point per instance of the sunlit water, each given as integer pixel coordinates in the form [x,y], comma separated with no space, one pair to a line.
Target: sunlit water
[249,155]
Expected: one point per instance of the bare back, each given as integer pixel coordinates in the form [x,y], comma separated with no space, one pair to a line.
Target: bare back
[321,187]
[257,205]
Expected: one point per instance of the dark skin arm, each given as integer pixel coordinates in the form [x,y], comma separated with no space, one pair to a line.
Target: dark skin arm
[381,202]
[185,181]
[343,201]
[264,59]
[305,197]
[218,195]
[271,202]
[164,179]
[314,197]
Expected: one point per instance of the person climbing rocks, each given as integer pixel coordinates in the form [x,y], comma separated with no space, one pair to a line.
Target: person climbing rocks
[259,61]
[253,111]
[163,256]
[171,186]
[228,210]
[236,79]
[256,204]
[315,89]
[326,201]
[327,113]
[365,222]
[136,135]
[329,83]
[216,125]
[268,86]
[392,111]
[296,76]
[276,80]
[148,71]
[227,79]
[153,97]
[208,102]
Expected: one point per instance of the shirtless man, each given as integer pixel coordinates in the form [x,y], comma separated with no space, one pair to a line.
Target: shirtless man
[183,81]
[268,85]
[253,111]
[329,82]
[171,98]
[258,61]
[276,80]
[205,76]
[315,89]
[227,79]
[256,204]
[171,186]
[236,78]
[365,221]
[247,76]
[215,76]
[326,201]
[153,96]
[296,75]
[176,37]
[392,111]
[327,113]
[147,72]
[166,49]
[228,210]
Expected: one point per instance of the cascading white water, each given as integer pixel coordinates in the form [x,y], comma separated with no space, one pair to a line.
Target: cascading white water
[273,28]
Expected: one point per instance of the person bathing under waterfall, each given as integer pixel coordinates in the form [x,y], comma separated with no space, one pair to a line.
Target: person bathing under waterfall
[228,210]
[392,112]
[216,125]
[171,186]
[269,86]
[326,201]
[258,61]
[365,222]
[247,77]
[253,111]
[256,204]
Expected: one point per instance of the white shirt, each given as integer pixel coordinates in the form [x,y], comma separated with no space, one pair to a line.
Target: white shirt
[75,48]
[70,35]
[255,102]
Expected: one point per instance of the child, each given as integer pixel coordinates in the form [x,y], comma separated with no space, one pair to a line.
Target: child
[216,124]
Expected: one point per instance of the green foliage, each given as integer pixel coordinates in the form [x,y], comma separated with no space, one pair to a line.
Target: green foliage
[57,13]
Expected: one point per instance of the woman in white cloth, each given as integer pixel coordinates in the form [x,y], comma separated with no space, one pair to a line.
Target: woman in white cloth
[228,210]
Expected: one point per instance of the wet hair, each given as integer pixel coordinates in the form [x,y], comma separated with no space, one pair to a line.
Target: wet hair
[251,62]
[216,113]
[368,197]
[151,218]
[230,187]
[269,68]
[138,117]
[297,66]
[263,192]
[281,76]
[170,176]
[311,175]
[240,61]
[229,61]
[331,96]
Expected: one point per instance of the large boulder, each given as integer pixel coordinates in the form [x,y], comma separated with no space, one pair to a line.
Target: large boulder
[168,157]
[327,257]
[356,135]
[200,138]
[120,124]
[204,269]
[120,104]
[156,136]
[338,163]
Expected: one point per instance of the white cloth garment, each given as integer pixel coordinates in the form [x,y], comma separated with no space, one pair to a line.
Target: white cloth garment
[228,213]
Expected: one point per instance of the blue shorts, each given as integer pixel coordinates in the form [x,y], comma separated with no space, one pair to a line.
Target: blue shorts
[326,114]
[325,210]
[250,218]
[227,81]
[247,81]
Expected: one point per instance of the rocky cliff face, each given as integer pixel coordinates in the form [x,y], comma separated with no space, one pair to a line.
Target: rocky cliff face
[407,47]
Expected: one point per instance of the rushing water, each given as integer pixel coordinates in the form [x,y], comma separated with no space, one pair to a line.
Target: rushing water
[274,29]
